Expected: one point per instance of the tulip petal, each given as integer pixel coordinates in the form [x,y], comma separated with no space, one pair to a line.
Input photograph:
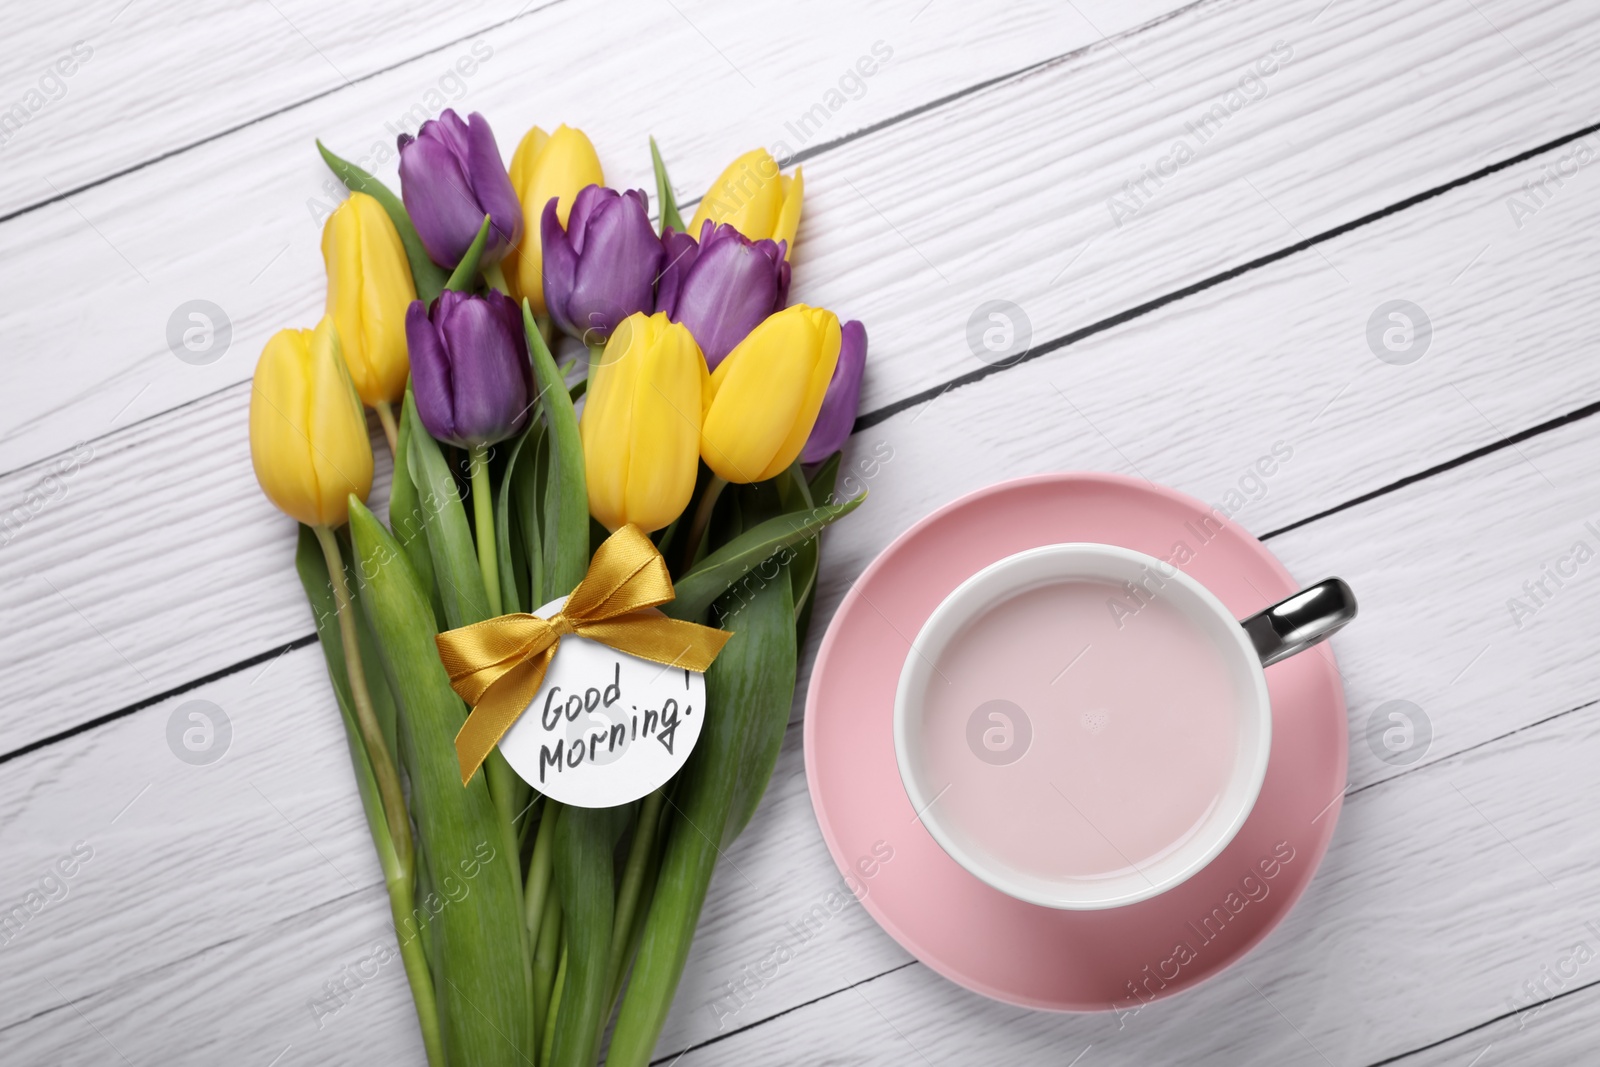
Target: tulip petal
[825,358]
[560,265]
[488,368]
[641,424]
[619,259]
[748,195]
[450,178]
[681,252]
[545,167]
[430,373]
[492,188]
[838,415]
[733,285]
[584,205]
[787,224]
[308,435]
[438,197]
[280,450]
[341,451]
[767,393]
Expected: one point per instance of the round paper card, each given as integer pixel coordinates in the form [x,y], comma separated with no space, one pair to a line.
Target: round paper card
[605,727]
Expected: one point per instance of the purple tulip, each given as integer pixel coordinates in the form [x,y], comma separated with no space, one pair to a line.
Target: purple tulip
[839,403]
[603,266]
[469,367]
[450,178]
[722,287]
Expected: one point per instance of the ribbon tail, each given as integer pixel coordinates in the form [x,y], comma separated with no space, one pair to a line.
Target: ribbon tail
[501,705]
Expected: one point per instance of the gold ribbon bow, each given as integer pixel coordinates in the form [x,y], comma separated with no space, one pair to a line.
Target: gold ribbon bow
[497,665]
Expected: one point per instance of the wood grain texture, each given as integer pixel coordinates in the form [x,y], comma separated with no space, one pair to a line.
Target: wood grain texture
[160,78]
[218,898]
[1505,736]
[882,243]
[1423,921]
[1556,1030]
[1529,680]
[142,245]
[221,899]
[1191,395]
[152,78]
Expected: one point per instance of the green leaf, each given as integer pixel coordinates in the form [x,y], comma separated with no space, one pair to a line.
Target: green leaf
[510,597]
[464,278]
[405,506]
[760,680]
[664,194]
[795,493]
[450,546]
[377,690]
[825,477]
[749,690]
[427,275]
[527,498]
[474,900]
[821,487]
[313,570]
[584,841]
[721,570]
[566,497]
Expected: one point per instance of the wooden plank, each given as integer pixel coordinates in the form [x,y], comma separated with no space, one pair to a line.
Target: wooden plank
[145,79]
[1414,862]
[1074,133]
[219,865]
[236,220]
[1404,929]
[262,994]
[182,598]
[1557,1027]
[152,79]
[1457,544]
[174,483]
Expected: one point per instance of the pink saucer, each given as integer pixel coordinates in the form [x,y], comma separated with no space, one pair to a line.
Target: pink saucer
[976,936]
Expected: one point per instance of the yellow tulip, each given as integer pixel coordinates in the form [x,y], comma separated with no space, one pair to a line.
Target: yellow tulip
[641,423]
[308,434]
[755,198]
[765,396]
[544,167]
[369,289]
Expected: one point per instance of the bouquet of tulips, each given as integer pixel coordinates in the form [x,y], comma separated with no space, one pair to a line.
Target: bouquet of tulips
[562,385]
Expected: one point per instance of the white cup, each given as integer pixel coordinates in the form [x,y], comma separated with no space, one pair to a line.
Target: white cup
[1273,634]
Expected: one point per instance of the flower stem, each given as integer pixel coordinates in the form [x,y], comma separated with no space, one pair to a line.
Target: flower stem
[702,518]
[390,429]
[483,520]
[503,781]
[401,907]
[538,882]
[555,1007]
[546,955]
[633,877]
[383,767]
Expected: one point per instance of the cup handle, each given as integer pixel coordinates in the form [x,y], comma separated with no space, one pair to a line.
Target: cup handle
[1307,618]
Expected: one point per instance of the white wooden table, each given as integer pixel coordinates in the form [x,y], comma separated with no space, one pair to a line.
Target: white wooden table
[1187,314]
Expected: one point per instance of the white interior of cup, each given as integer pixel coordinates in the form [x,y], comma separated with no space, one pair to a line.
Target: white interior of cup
[1101,563]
